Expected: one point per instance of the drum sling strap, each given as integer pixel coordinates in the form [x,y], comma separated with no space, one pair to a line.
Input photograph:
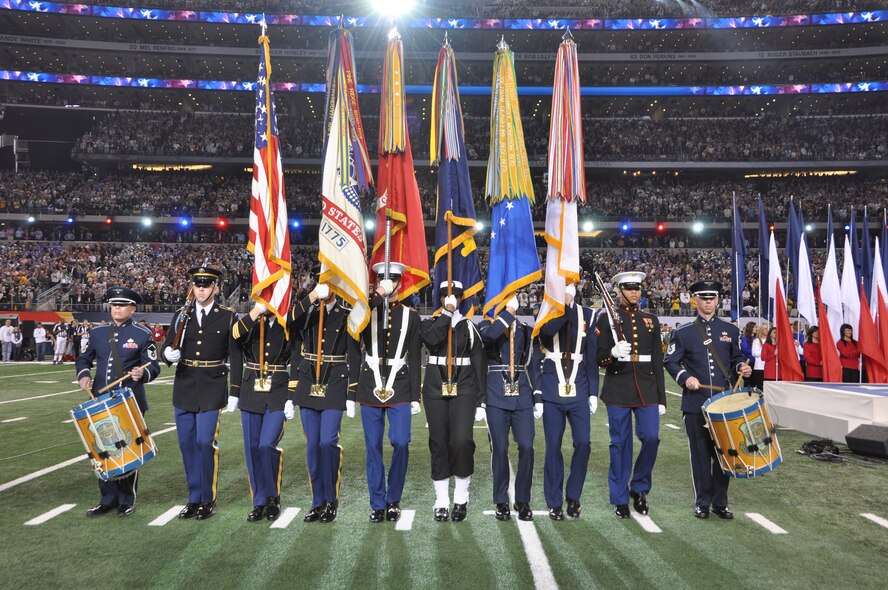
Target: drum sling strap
[707,341]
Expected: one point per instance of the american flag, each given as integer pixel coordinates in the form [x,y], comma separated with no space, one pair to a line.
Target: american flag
[269,237]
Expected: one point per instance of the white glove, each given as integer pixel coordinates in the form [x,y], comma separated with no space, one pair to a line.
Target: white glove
[450,301]
[260,307]
[289,410]
[349,408]
[621,349]
[232,403]
[662,409]
[171,355]
[571,290]
[480,413]
[593,404]
[414,408]
[538,410]
[322,291]
[512,303]
[387,286]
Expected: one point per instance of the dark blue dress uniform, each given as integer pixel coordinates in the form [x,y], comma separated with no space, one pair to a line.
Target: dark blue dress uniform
[633,385]
[200,391]
[262,412]
[451,418]
[566,371]
[321,411]
[688,356]
[132,346]
[508,408]
[393,361]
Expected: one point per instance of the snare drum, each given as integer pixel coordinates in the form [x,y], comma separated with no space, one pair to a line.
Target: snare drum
[114,433]
[745,438]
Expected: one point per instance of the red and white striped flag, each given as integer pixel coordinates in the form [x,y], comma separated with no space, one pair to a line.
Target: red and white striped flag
[269,236]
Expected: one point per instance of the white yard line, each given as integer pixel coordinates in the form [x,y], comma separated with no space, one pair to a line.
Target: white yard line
[19,419]
[16,376]
[45,382]
[646,523]
[543,578]
[673,427]
[285,518]
[166,516]
[765,523]
[25,399]
[57,466]
[405,523]
[876,519]
[50,515]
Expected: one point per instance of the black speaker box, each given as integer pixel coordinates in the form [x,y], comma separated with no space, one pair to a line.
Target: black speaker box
[869,439]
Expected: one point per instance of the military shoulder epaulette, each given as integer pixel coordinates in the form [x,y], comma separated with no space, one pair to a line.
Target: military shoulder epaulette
[144,328]
[226,308]
[683,327]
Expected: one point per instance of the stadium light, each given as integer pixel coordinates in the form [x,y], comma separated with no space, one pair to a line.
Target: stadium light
[587,226]
[369,225]
[697,227]
[771,227]
[809,227]
[295,224]
[30,219]
[624,228]
[661,227]
[108,220]
[146,221]
[479,226]
[394,8]
[847,227]
[184,222]
[70,219]
[222,223]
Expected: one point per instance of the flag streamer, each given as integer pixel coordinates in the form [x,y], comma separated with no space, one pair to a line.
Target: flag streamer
[269,238]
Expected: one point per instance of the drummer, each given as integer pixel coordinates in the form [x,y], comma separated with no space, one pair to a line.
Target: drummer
[704,358]
[120,348]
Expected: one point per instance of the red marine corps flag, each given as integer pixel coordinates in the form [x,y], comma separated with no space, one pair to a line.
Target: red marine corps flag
[269,237]
[398,207]
[343,250]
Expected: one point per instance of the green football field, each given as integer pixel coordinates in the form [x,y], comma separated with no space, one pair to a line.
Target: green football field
[823,541]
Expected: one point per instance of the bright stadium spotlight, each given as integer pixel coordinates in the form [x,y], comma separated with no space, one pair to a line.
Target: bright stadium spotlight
[108,220]
[295,224]
[624,227]
[587,226]
[222,223]
[184,222]
[847,227]
[394,7]
[661,227]
[809,227]
[30,219]
[70,219]
[479,226]
[369,224]
[146,221]
[697,227]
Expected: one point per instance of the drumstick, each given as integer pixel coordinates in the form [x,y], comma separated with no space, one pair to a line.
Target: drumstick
[122,379]
[711,387]
[740,377]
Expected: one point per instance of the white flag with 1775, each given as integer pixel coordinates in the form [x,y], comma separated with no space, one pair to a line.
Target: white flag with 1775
[341,234]
[562,258]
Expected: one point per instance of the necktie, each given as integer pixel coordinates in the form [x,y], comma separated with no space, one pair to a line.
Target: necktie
[203,316]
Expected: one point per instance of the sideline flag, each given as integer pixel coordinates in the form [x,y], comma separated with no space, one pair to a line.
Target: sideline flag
[805,296]
[567,184]
[764,253]
[448,152]
[398,192]
[738,264]
[514,262]
[269,237]
[850,290]
[830,288]
[347,173]
[832,365]
[788,366]
[868,344]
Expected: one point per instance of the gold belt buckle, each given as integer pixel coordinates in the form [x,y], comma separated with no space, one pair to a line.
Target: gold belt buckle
[567,390]
[263,383]
[383,394]
[510,389]
[318,390]
[448,390]
[633,357]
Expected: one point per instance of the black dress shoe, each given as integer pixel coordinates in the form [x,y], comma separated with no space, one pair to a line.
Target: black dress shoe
[639,502]
[206,510]
[329,513]
[459,512]
[314,514]
[393,511]
[377,515]
[723,512]
[556,513]
[701,512]
[573,508]
[100,510]
[190,510]
[524,511]
[256,513]
[273,508]
[502,512]
[621,511]
[442,515]
[125,510]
